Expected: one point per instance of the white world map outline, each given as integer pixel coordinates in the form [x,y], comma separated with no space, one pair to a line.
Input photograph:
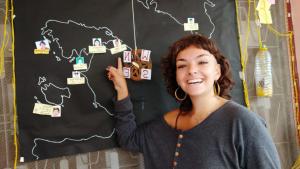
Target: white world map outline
[209,3]
[46,86]
[67,139]
[47,31]
[71,58]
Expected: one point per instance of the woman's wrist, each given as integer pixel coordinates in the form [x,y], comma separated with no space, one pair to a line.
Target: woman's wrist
[122,94]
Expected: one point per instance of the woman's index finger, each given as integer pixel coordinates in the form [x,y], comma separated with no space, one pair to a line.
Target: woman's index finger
[120,67]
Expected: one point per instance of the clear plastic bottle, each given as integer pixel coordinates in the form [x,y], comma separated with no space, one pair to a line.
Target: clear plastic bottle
[263,73]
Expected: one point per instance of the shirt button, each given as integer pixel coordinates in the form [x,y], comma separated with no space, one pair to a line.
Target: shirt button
[180,136]
[176,154]
[178,145]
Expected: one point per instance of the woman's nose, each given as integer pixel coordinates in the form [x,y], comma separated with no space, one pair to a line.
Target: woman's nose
[192,70]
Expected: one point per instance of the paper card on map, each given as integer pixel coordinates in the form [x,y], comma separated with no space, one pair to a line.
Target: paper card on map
[191,26]
[80,66]
[97,49]
[127,56]
[126,72]
[42,109]
[118,49]
[145,55]
[41,51]
[75,81]
[146,74]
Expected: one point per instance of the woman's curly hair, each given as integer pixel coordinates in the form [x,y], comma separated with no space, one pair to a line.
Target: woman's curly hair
[168,65]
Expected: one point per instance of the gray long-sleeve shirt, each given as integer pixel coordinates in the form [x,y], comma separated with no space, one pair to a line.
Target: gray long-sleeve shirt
[232,137]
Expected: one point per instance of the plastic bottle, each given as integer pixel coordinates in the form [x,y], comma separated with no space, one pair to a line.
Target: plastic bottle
[263,73]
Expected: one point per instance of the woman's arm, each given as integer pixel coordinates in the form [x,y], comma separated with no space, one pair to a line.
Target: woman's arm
[117,77]
[128,135]
[260,149]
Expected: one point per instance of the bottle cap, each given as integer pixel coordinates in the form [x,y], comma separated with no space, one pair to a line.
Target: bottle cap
[263,47]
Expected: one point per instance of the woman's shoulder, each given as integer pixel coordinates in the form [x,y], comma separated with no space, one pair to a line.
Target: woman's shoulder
[170,117]
[238,112]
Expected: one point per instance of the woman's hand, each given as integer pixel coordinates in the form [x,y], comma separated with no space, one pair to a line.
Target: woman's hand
[117,77]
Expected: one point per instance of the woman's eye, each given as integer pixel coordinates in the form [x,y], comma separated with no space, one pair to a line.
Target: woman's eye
[203,62]
[180,66]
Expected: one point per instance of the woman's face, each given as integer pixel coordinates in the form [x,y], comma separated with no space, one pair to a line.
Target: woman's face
[196,71]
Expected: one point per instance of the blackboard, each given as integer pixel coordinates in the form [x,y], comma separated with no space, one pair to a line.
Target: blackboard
[87,123]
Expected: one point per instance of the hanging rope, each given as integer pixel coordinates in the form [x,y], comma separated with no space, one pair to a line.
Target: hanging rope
[244,53]
[14,83]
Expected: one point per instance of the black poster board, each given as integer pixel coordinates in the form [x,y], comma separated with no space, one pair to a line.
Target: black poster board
[87,122]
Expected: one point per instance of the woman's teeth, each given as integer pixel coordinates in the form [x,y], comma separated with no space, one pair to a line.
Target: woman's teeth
[194,81]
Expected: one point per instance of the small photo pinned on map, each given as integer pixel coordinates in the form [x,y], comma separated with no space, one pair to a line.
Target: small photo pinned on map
[75,74]
[118,47]
[56,111]
[191,20]
[117,43]
[42,45]
[79,60]
[97,42]
[97,46]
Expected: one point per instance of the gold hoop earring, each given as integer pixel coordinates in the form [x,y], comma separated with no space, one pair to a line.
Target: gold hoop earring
[180,99]
[217,88]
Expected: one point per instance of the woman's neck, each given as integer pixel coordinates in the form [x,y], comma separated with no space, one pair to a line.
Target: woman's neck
[204,105]
[202,108]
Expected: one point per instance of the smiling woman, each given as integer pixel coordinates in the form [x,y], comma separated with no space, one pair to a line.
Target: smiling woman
[207,131]
[205,51]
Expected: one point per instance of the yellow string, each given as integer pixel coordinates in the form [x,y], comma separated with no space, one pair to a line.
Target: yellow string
[257,27]
[244,52]
[14,85]
[273,30]
[4,40]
